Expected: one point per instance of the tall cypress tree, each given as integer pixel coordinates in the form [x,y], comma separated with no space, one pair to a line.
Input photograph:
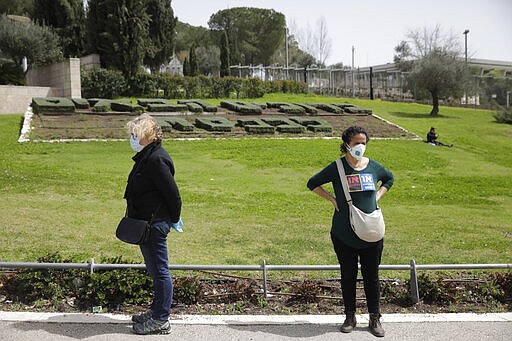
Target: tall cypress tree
[161,34]
[194,70]
[186,67]
[224,55]
[121,33]
[67,18]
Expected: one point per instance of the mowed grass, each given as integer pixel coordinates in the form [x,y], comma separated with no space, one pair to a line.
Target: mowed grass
[246,200]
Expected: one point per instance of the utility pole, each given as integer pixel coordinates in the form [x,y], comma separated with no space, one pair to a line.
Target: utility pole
[286,47]
[353,79]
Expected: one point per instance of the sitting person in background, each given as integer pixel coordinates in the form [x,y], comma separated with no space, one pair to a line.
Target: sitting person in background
[432,138]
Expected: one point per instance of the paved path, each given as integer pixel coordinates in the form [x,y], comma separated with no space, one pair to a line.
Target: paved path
[50,326]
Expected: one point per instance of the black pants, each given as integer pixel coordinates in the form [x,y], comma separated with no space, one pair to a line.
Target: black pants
[370,260]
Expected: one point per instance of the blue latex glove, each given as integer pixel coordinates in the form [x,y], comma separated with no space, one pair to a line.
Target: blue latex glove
[178,226]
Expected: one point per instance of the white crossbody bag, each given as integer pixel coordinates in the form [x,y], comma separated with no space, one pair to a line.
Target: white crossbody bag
[369,227]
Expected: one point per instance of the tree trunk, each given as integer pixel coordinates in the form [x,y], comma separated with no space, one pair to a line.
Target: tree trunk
[435,104]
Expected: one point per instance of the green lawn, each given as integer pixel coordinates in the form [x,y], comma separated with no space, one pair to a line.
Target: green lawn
[246,200]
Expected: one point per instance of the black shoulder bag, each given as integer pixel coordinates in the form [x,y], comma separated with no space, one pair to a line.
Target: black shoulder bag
[134,231]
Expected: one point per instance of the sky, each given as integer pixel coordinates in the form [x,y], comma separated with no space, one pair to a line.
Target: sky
[375,27]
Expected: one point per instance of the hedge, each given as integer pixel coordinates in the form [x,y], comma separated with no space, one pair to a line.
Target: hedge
[314,124]
[194,107]
[180,124]
[292,109]
[214,124]
[52,104]
[327,107]
[102,105]
[241,107]
[110,84]
[81,103]
[255,126]
[164,124]
[126,107]
[147,101]
[205,105]
[168,107]
[285,125]
[309,109]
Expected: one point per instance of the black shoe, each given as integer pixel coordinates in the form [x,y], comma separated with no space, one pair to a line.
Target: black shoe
[350,323]
[375,326]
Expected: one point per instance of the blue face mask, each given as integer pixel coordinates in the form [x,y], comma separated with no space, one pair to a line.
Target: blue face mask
[134,143]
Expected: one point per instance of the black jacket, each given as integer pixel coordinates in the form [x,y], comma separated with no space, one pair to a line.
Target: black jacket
[151,185]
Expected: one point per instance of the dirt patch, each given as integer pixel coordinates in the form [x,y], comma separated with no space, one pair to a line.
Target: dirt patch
[87,125]
[245,296]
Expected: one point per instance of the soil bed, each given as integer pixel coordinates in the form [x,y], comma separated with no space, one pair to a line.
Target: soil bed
[88,125]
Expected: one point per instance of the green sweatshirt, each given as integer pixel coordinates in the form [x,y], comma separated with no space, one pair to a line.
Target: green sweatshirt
[363,186]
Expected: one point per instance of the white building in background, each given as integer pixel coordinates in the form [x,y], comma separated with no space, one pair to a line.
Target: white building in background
[174,67]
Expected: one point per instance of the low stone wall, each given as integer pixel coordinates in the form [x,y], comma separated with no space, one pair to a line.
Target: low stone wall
[16,99]
[64,76]
[56,80]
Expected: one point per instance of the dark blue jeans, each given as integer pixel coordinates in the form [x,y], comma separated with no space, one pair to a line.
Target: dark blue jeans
[370,260]
[157,264]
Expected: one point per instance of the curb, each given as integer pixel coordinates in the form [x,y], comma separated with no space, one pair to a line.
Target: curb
[7,316]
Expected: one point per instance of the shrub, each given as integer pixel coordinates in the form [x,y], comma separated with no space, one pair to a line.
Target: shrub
[253,88]
[306,290]
[503,115]
[102,83]
[29,285]
[10,73]
[187,290]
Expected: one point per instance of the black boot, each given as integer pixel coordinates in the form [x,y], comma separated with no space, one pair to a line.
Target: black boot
[375,326]
[349,324]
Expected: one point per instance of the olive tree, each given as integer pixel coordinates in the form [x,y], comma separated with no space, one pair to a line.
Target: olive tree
[21,38]
[433,64]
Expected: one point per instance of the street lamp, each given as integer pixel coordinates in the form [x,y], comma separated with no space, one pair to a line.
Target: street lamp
[465,33]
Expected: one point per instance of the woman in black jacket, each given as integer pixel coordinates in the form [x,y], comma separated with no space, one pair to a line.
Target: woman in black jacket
[152,194]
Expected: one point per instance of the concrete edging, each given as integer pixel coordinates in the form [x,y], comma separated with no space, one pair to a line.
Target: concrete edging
[8,316]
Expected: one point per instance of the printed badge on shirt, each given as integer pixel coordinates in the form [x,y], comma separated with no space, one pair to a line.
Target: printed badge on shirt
[360,182]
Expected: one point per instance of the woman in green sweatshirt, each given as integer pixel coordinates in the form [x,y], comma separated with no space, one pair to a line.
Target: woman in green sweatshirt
[363,175]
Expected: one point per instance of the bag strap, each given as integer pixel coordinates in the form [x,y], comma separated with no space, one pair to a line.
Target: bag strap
[152,215]
[344,183]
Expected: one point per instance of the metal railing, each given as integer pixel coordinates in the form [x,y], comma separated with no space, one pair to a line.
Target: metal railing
[412,267]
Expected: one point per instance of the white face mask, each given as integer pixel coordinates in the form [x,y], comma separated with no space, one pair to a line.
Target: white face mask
[135,144]
[357,151]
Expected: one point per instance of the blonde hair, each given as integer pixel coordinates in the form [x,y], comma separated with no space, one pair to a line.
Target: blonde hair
[145,126]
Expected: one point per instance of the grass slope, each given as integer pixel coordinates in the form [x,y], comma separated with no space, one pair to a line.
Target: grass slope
[246,200]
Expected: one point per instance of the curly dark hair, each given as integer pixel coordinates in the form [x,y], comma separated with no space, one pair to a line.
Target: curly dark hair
[347,135]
